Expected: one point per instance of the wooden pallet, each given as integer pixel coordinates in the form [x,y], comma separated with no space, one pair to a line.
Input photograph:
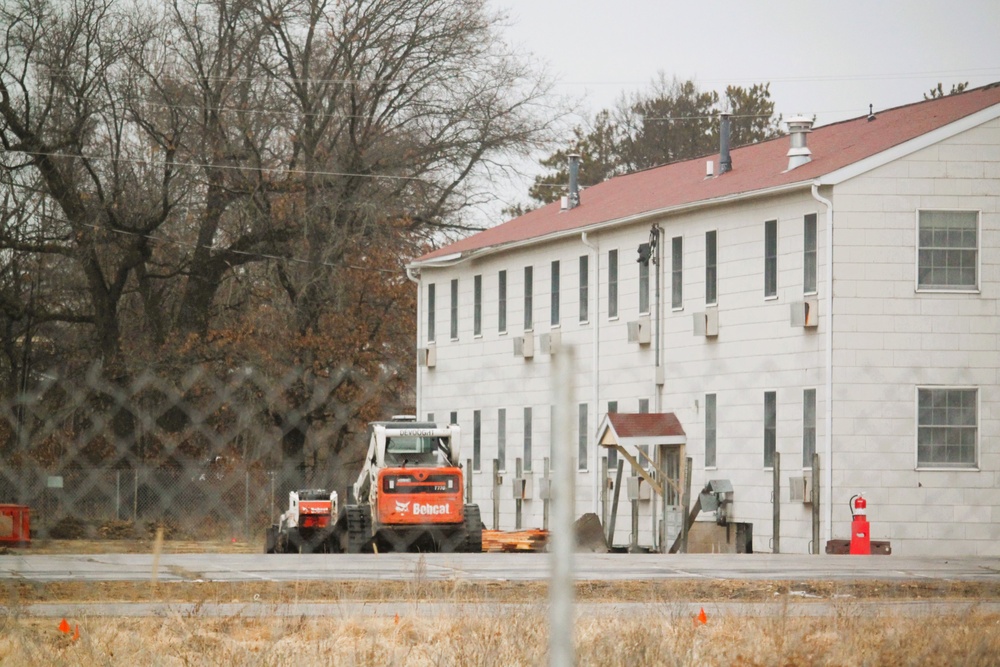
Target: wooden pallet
[497,541]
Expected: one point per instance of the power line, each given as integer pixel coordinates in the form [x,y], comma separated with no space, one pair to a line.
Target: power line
[197,165]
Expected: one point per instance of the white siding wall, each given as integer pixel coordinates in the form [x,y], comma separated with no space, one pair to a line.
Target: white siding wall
[888,339]
[891,339]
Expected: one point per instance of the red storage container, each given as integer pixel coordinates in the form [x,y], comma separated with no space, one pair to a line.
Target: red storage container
[15,525]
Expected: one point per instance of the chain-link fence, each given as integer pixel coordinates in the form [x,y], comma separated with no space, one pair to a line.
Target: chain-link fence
[95,503]
[200,457]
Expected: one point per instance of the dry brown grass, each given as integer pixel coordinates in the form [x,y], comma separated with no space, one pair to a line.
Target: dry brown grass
[501,638]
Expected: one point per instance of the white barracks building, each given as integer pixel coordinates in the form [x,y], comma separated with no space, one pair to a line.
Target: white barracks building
[834,291]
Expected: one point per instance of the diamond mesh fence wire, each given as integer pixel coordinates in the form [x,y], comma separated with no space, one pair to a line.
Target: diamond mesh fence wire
[202,458]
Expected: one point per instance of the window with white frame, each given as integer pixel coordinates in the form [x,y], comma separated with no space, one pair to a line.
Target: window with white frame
[430,312]
[502,437]
[502,302]
[711,269]
[710,431]
[644,287]
[454,309]
[947,427]
[477,305]
[527,440]
[584,287]
[770,427]
[477,440]
[677,273]
[529,301]
[771,258]
[809,254]
[612,284]
[643,405]
[582,433]
[948,252]
[808,427]
[554,300]
[453,417]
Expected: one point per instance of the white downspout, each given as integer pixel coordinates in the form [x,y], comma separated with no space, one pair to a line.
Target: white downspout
[828,335]
[595,374]
[414,275]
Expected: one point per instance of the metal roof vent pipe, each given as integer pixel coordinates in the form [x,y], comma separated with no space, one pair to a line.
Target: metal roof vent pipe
[725,160]
[799,154]
[573,200]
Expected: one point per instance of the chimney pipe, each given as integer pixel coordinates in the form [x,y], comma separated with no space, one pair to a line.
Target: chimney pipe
[799,154]
[725,161]
[574,181]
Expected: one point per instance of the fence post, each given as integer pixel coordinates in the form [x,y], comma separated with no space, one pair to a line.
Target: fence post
[815,503]
[496,494]
[518,472]
[246,507]
[468,481]
[545,501]
[135,495]
[776,499]
[118,495]
[604,492]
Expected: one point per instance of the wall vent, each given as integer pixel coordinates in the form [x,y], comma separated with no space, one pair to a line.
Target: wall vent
[706,323]
[549,343]
[800,489]
[640,331]
[524,346]
[427,356]
[805,313]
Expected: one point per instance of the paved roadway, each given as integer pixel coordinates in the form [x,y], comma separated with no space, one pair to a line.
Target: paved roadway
[488,567]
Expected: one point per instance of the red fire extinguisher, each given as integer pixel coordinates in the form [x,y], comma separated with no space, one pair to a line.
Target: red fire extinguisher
[861,539]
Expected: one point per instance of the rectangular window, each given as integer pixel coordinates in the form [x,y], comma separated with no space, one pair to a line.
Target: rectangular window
[677,273]
[770,427]
[947,428]
[454,309]
[529,290]
[502,437]
[584,287]
[527,440]
[502,302]
[809,254]
[643,405]
[710,425]
[947,257]
[453,418]
[430,313]
[477,305]
[612,452]
[644,287]
[582,437]
[808,427]
[711,269]
[477,440]
[430,417]
[555,293]
[612,283]
[771,258]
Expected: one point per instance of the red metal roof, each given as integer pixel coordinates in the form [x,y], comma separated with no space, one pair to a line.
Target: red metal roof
[756,167]
[645,425]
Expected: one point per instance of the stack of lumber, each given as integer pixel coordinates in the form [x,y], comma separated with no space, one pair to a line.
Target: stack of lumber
[509,541]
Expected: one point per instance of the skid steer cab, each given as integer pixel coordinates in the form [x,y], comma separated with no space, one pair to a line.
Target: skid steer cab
[410,493]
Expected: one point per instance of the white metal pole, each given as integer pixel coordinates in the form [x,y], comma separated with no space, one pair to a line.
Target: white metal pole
[561,635]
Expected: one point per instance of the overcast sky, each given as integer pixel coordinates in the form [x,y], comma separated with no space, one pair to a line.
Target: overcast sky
[831,59]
